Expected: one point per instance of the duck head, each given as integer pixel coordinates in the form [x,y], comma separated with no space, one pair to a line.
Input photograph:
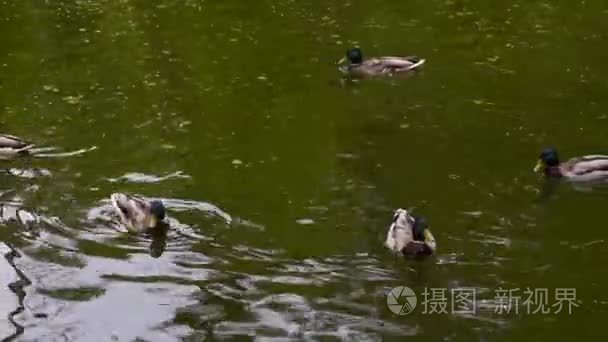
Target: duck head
[158,212]
[354,56]
[548,158]
[420,225]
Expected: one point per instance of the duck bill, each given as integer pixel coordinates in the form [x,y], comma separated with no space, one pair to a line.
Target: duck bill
[342,60]
[428,236]
[153,221]
[429,239]
[539,166]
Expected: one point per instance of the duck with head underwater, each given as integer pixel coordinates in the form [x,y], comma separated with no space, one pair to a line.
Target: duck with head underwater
[137,214]
[590,168]
[409,235]
[377,66]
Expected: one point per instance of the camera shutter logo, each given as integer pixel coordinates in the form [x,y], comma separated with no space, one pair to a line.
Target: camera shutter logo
[401,300]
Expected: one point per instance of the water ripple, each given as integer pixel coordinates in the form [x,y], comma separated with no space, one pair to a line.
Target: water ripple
[137,177]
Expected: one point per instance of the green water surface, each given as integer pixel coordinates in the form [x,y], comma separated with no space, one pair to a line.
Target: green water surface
[280,176]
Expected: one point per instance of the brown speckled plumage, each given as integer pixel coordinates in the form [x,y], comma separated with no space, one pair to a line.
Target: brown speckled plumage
[134,212]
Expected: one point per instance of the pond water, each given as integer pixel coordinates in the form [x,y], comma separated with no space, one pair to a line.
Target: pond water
[281,177]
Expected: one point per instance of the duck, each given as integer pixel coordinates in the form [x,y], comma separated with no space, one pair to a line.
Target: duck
[377,66]
[589,168]
[409,235]
[12,146]
[137,214]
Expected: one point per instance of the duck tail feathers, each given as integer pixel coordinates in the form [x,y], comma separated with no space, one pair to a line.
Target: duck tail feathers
[417,63]
[25,149]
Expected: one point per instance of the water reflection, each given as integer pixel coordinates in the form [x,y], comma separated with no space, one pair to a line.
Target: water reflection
[136,177]
[550,188]
[159,240]
[27,222]
[28,173]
